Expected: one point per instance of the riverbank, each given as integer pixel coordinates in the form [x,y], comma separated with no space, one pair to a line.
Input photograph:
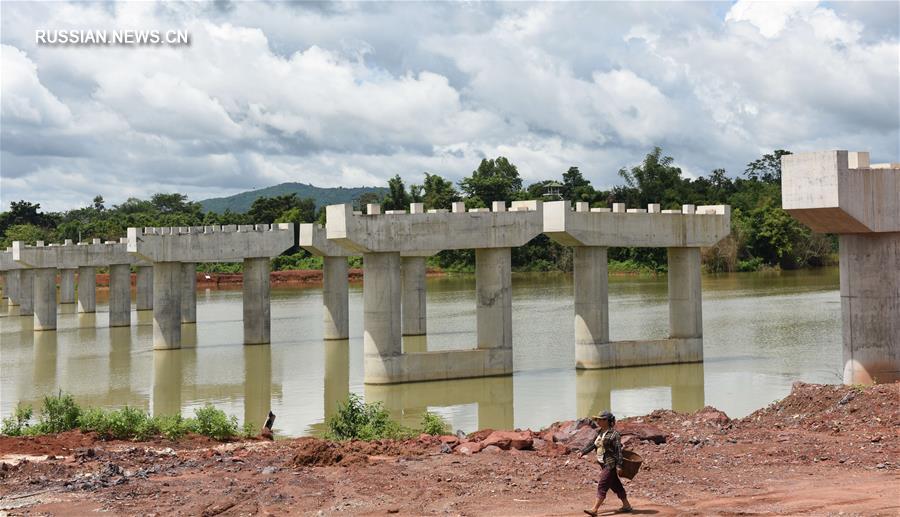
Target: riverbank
[821,450]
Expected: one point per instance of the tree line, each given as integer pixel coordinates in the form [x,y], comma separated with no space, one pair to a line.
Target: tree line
[763,235]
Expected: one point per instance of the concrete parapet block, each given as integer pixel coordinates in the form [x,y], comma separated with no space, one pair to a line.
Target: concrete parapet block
[839,192]
[617,354]
[636,227]
[227,243]
[417,233]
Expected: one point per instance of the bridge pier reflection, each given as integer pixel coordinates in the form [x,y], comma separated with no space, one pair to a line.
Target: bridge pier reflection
[595,389]
[257,384]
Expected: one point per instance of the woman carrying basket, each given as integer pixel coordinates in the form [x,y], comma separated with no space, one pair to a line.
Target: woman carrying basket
[609,454]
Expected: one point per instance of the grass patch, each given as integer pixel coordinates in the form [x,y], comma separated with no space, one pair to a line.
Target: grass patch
[433,424]
[60,413]
[358,420]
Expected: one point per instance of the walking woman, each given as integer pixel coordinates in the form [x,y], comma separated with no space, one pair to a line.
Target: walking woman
[609,455]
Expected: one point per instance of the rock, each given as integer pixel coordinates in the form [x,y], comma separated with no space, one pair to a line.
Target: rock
[446,448]
[538,444]
[267,434]
[509,440]
[492,449]
[711,415]
[581,438]
[449,439]
[468,448]
[269,470]
[460,434]
[477,436]
[641,431]
[847,398]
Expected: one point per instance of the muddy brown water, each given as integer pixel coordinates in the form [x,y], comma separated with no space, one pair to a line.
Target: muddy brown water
[762,332]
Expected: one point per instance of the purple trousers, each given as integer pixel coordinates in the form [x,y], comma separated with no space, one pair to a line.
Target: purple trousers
[609,480]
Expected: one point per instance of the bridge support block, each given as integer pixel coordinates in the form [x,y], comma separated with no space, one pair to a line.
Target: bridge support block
[167,290]
[67,286]
[45,299]
[414,319]
[335,296]
[257,318]
[119,295]
[87,289]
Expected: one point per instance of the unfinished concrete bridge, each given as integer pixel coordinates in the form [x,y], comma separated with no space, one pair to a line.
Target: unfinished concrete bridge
[394,246]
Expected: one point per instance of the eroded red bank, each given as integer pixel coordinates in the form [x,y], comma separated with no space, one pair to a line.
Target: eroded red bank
[821,450]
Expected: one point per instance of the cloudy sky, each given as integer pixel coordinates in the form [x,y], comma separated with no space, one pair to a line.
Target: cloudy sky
[351,94]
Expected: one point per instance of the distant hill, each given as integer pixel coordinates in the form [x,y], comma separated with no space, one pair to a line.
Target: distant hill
[323,196]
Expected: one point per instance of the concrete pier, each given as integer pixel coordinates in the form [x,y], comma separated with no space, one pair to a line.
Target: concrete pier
[591,231]
[87,289]
[44,299]
[167,291]
[254,245]
[67,285]
[685,305]
[381,314]
[414,319]
[841,192]
[189,292]
[144,288]
[335,298]
[11,286]
[591,286]
[493,295]
[119,295]
[25,292]
[257,319]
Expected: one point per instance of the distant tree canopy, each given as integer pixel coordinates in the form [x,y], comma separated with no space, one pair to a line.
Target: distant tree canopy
[763,235]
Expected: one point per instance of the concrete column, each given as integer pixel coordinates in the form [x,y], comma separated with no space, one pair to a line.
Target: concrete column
[119,295]
[382,339]
[257,319]
[685,303]
[87,289]
[66,286]
[166,305]
[591,295]
[4,294]
[493,286]
[189,292]
[144,288]
[412,270]
[11,286]
[336,298]
[870,307]
[25,291]
[45,299]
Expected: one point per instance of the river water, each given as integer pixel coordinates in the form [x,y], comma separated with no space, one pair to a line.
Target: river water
[762,332]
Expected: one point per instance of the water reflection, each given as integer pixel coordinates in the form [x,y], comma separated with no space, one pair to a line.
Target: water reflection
[87,325]
[407,402]
[168,372]
[640,390]
[45,359]
[143,318]
[257,384]
[337,375]
[188,335]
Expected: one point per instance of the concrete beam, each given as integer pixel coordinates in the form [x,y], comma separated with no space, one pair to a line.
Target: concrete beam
[840,192]
[427,233]
[210,243]
[616,354]
[312,238]
[73,256]
[692,226]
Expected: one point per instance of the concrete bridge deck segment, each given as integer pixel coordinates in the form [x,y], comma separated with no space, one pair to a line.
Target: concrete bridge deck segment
[84,258]
[593,231]
[176,250]
[394,288]
[841,192]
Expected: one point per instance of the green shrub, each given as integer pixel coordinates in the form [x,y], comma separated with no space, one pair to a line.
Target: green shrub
[215,423]
[433,424]
[173,427]
[749,265]
[357,420]
[59,413]
[249,430]
[17,424]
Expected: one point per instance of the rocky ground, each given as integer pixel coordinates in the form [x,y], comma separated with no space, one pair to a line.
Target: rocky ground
[822,450]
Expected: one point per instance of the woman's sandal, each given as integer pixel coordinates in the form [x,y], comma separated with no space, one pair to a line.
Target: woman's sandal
[591,513]
[624,509]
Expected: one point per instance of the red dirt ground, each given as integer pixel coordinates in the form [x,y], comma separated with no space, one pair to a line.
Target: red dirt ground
[822,450]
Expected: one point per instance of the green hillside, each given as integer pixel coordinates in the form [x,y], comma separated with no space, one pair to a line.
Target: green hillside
[323,196]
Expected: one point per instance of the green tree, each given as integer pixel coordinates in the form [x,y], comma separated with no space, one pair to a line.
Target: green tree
[575,186]
[267,209]
[98,203]
[768,168]
[397,198]
[493,180]
[438,192]
[656,180]
[27,233]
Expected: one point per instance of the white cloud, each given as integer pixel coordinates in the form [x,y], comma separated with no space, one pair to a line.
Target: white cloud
[351,94]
